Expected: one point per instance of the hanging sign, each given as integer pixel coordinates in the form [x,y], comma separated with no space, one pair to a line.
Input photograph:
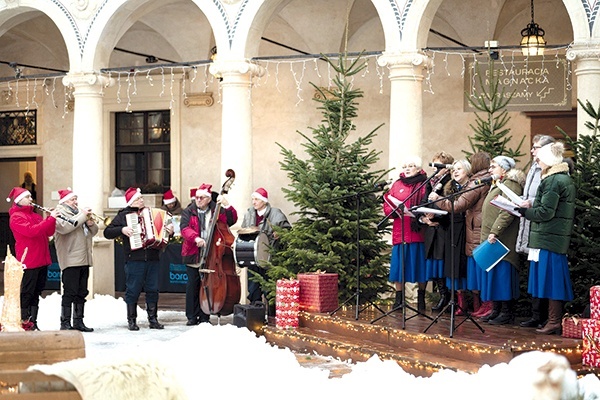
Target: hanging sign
[537,84]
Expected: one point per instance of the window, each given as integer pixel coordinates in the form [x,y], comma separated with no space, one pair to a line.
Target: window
[18,128]
[143,143]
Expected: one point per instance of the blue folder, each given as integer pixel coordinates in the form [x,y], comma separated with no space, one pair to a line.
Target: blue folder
[487,255]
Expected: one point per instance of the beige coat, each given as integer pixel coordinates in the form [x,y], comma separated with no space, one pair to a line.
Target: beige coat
[73,243]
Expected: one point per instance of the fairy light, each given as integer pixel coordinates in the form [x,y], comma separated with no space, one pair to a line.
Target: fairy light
[134,84]
[27,95]
[149,78]
[162,74]
[33,101]
[17,93]
[52,93]
[119,89]
[128,80]
[316,63]
[171,89]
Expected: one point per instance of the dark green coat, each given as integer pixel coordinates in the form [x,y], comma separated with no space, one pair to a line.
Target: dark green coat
[553,211]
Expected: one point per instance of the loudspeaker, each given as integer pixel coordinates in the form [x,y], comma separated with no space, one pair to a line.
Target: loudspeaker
[251,316]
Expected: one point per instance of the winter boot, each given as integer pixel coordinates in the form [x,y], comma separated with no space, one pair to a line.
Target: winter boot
[444,298]
[505,317]
[496,307]
[421,306]
[65,318]
[461,303]
[131,317]
[476,302]
[554,324]
[397,301]
[484,310]
[78,319]
[535,319]
[33,312]
[152,309]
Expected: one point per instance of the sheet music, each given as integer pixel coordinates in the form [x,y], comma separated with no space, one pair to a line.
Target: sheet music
[506,205]
[427,210]
[515,198]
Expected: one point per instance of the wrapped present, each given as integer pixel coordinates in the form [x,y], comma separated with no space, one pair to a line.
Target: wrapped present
[287,307]
[572,326]
[591,342]
[318,292]
[595,302]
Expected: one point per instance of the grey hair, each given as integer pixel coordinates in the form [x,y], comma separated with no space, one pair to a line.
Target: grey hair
[543,140]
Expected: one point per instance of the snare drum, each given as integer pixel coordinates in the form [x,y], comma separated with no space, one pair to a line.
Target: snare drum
[251,249]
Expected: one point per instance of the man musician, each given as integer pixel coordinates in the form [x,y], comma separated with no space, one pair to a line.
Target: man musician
[265,217]
[141,264]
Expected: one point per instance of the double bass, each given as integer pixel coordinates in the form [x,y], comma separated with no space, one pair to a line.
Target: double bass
[220,287]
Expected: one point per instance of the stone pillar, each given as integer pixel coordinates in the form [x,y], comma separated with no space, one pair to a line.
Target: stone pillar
[236,135]
[587,71]
[406,105]
[88,168]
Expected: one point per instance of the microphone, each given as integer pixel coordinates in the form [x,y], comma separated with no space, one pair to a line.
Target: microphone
[440,166]
[487,180]
[437,187]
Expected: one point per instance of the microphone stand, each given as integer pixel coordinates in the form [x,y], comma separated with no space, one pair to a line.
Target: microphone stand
[356,294]
[454,276]
[400,211]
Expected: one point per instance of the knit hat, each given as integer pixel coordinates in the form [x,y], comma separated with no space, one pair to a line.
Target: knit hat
[204,190]
[551,154]
[65,194]
[17,194]
[169,197]
[132,194]
[261,194]
[506,163]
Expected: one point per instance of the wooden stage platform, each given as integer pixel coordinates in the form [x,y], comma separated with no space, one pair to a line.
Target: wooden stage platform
[418,346]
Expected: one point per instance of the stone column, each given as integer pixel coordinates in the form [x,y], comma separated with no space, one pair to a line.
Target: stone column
[587,71]
[406,105]
[236,134]
[88,168]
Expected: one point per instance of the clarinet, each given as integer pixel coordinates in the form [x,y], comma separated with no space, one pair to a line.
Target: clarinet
[70,221]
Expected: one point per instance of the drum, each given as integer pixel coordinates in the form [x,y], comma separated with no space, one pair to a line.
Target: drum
[251,249]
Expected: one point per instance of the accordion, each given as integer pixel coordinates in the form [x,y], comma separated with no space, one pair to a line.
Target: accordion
[149,228]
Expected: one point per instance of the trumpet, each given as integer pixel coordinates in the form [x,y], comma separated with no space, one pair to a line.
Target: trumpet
[70,221]
[97,219]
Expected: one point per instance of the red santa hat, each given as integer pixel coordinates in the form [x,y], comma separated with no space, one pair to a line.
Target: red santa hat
[204,190]
[193,192]
[17,194]
[65,194]
[132,194]
[261,194]
[169,197]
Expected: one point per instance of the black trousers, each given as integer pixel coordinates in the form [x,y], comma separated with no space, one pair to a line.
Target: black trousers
[75,285]
[254,290]
[32,285]
[192,296]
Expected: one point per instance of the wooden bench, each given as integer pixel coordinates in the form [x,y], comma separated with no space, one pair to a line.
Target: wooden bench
[20,350]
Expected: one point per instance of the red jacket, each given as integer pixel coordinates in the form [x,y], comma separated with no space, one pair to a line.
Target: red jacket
[31,232]
[401,191]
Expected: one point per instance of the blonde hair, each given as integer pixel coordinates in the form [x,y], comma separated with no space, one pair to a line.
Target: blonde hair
[465,164]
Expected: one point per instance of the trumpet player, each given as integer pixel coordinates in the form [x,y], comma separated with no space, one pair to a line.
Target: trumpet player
[74,252]
[31,234]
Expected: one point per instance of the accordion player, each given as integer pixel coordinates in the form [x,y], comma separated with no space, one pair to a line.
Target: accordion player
[149,227]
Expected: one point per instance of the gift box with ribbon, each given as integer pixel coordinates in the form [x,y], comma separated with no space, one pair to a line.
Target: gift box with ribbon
[287,307]
[591,342]
[572,326]
[318,292]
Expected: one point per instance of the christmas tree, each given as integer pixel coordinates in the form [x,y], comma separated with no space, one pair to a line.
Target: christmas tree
[337,198]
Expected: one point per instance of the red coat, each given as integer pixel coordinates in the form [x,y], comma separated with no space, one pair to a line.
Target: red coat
[401,191]
[31,232]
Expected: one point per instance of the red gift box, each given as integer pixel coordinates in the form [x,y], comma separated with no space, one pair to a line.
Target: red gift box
[572,326]
[595,302]
[318,292]
[287,295]
[591,343]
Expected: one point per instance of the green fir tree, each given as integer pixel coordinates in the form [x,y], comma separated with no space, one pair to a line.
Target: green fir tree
[326,188]
[584,251]
[491,134]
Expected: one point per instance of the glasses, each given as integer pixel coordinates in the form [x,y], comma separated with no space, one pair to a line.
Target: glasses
[536,147]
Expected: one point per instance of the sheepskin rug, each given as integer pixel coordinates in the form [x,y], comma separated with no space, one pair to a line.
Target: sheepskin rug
[125,379]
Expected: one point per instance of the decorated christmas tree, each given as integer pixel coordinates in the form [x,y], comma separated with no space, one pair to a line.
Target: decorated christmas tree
[337,199]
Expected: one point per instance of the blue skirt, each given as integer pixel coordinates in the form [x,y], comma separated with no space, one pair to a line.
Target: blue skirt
[414,263]
[501,283]
[474,274]
[549,277]
[459,283]
[434,269]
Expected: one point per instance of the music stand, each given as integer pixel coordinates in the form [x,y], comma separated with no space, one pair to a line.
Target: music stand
[356,294]
[452,303]
[401,210]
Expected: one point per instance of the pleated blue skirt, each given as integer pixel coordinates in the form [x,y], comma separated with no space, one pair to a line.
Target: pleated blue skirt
[459,284]
[434,269]
[474,274]
[501,283]
[414,263]
[549,277]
